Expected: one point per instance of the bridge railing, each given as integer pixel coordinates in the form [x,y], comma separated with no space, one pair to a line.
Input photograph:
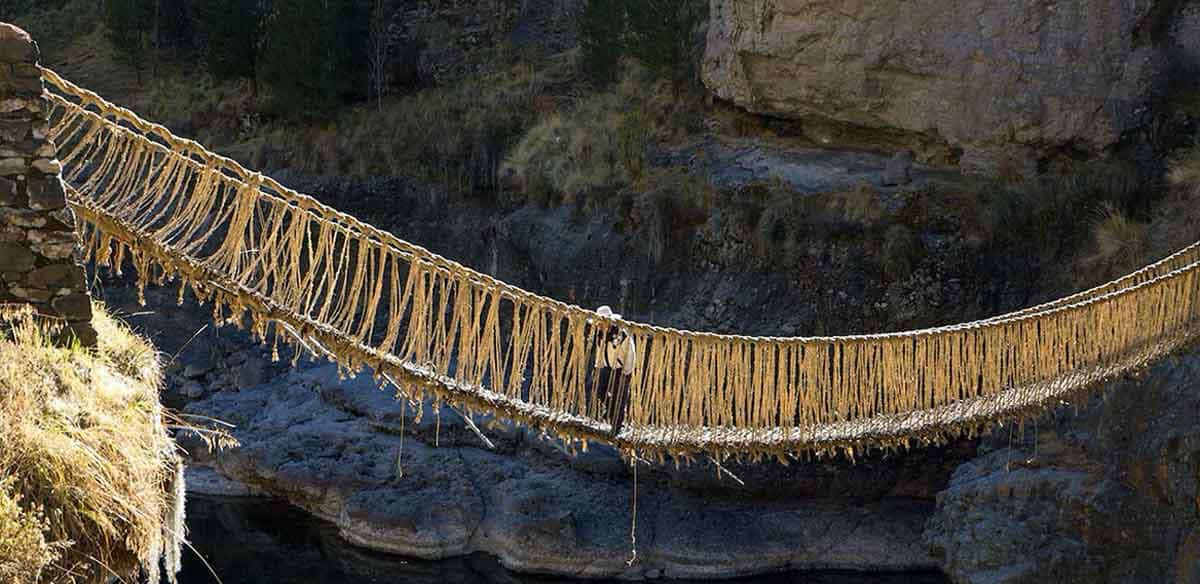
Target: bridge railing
[342,288]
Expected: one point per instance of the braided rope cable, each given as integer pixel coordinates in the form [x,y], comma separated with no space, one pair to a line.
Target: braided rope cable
[362,296]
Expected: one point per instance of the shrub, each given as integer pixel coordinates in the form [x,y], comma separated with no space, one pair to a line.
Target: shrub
[1185,167]
[576,156]
[127,30]
[858,205]
[1187,102]
[782,221]
[1119,243]
[314,56]
[601,28]
[601,145]
[20,7]
[174,27]
[902,252]
[231,29]
[454,136]
[668,211]
[54,24]
[1042,218]
[633,138]
[1176,220]
[663,35]
[784,218]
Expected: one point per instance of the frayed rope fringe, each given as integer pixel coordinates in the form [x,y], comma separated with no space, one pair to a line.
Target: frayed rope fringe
[279,262]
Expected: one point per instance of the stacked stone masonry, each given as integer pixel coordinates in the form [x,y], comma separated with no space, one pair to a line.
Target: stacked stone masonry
[39,260]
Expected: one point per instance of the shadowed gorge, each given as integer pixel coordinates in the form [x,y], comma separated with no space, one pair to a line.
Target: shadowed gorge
[594,290]
[324,279]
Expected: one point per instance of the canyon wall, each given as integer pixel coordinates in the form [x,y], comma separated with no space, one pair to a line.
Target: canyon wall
[992,86]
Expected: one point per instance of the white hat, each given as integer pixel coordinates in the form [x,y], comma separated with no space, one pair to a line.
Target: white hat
[607,312]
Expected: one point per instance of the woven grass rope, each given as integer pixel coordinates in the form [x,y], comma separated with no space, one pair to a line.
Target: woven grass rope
[290,266]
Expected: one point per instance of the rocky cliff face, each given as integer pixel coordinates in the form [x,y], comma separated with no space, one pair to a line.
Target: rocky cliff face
[336,448]
[990,85]
[1110,493]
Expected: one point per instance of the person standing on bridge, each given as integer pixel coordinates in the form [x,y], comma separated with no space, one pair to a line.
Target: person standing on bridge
[616,360]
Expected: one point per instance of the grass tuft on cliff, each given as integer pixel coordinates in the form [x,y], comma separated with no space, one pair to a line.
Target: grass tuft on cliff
[1120,243]
[90,482]
[1185,167]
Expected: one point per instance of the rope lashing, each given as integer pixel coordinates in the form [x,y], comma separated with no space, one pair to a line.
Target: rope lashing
[340,288]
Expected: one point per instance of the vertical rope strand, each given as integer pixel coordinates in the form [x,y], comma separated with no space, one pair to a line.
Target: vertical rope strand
[361,296]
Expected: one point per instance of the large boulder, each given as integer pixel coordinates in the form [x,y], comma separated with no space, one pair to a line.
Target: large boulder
[991,85]
[1110,493]
[346,451]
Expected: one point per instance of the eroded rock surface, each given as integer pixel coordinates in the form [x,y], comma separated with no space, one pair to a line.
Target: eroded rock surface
[991,85]
[1112,498]
[735,163]
[347,451]
[1108,494]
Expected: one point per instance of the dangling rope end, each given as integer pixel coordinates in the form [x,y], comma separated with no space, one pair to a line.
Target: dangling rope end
[633,555]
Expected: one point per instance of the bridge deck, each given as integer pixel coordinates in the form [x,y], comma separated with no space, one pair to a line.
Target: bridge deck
[340,288]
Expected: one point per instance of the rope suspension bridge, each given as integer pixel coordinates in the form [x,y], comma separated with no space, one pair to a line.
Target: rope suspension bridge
[291,268]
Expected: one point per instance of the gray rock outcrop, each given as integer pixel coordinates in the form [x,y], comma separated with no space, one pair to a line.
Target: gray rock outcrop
[1108,494]
[347,451]
[1105,493]
[990,85]
[899,169]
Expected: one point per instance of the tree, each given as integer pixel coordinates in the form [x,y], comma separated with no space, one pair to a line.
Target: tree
[662,35]
[314,55]
[232,30]
[351,57]
[176,24]
[131,30]
[378,48]
[601,29]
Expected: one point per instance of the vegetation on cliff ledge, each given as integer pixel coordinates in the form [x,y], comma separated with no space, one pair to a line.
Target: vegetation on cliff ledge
[90,482]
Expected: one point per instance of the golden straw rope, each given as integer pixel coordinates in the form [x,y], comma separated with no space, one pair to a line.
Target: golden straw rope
[363,297]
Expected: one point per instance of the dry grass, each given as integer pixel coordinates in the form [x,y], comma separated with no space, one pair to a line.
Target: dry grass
[1187,102]
[454,135]
[174,91]
[603,142]
[785,218]
[1119,243]
[901,252]
[859,204]
[24,552]
[1185,167]
[568,154]
[670,206]
[1176,221]
[82,436]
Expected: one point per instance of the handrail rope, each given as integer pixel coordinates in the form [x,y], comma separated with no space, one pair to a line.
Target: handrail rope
[731,401]
[742,439]
[357,227]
